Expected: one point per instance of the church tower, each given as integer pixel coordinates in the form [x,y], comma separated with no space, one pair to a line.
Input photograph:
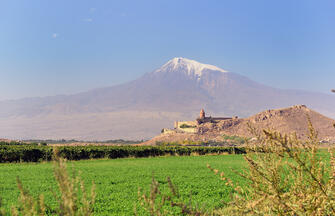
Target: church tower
[202,114]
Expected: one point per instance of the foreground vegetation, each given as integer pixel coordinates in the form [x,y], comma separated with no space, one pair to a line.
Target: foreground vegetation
[281,175]
[285,176]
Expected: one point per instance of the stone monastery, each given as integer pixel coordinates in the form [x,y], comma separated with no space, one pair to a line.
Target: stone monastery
[193,126]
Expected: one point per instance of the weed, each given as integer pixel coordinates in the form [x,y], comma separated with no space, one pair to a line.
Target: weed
[74,199]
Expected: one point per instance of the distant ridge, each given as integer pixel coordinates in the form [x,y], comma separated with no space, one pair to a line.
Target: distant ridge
[286,121]
[139,109]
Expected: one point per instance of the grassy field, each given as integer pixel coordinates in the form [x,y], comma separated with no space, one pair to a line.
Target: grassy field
[117,181]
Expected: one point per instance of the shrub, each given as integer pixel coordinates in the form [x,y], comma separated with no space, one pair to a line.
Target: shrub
[287,176]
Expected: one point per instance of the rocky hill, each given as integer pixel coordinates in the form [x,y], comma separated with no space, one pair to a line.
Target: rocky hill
[286,121]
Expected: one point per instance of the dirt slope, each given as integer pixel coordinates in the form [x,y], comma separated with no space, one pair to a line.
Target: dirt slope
[287,120]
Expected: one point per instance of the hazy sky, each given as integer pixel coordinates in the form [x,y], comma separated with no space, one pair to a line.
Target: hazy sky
[50,47]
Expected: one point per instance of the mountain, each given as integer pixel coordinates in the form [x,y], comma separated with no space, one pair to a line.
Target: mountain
[140,108]
[284,120]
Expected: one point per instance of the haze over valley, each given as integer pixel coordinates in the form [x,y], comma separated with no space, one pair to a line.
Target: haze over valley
[139,109]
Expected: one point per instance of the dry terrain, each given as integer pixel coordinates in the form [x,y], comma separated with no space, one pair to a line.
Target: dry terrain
[286,120]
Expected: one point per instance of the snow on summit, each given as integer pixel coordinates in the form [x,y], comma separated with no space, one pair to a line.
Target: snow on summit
[187,66]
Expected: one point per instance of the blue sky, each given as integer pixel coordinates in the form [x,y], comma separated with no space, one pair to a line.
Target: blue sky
[62,47]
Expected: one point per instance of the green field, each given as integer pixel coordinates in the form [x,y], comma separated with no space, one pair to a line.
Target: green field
[117,181]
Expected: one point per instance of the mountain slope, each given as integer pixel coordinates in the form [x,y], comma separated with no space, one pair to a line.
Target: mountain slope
[179,89]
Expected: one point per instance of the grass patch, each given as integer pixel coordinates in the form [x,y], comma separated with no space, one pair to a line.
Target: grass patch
[187,126]
[117,181]
[234,139]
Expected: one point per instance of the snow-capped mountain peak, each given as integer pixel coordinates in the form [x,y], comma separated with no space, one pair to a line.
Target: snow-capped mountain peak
[187,66]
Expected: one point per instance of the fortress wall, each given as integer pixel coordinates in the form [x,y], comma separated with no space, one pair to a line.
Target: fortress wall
[221,118]
[168,131]
[189,130]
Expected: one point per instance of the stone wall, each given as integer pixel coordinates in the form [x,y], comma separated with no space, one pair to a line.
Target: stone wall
[168,131]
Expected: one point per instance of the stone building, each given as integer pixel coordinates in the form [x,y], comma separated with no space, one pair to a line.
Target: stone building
[193,126]
[203,119]
[202,114]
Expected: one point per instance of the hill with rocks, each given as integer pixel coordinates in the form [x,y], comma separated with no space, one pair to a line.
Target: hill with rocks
[289,120]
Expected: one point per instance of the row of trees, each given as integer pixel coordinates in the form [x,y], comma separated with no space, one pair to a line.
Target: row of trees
[33,153]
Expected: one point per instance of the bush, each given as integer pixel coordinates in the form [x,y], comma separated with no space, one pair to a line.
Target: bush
[287,176]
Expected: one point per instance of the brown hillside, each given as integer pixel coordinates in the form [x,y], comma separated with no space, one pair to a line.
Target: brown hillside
[286,121]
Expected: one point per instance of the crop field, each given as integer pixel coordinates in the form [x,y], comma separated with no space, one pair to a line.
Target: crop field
[117,181]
